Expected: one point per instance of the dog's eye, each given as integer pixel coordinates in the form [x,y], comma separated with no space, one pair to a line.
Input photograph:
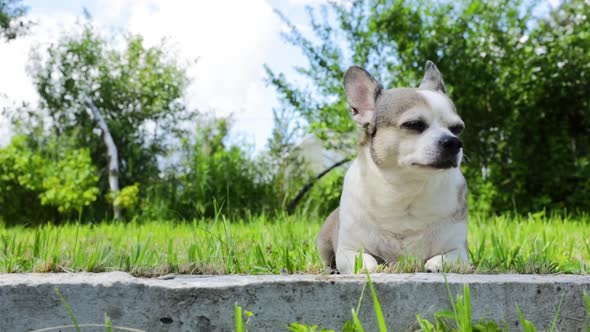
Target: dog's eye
[456,129]
[417,125]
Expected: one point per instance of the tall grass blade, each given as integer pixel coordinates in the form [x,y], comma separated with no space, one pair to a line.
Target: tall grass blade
[527,325]
[554,323]
[464,309]
[358,262]
[358,327]
[461,313]
[425,325]
[358,307]
[108,324]
[450,294]
[67,306]
[239,318]
[376,305]
[587,300]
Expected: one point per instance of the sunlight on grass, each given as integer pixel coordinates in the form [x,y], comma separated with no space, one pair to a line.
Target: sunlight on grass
[286,244]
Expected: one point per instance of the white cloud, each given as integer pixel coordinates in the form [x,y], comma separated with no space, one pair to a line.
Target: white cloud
[231,40]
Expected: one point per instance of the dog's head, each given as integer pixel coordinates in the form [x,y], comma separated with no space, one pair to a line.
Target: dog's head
[406,127]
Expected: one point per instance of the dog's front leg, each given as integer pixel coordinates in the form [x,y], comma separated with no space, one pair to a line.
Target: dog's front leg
[455,256]
[345,259]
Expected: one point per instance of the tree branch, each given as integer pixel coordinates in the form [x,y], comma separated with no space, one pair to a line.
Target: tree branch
[112,154]
[308,185]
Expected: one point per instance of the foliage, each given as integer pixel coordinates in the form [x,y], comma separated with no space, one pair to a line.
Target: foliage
[11,23]
[21,166]
[239,314]
[70,183]
[21,178]
[128,197]
[183,173]
[517,80]
[324,197]
[213,176]
[296,327]
[137,88]
[287,171]
[208,176]
[31,181]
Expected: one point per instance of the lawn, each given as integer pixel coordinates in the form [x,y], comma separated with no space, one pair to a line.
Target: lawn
[265,245]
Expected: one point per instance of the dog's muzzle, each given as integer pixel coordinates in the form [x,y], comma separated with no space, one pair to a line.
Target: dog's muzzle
[449,147]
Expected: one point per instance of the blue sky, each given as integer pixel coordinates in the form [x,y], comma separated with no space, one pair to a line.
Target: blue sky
[231,38]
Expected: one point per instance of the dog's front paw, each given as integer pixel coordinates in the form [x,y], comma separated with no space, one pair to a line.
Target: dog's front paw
[435,264]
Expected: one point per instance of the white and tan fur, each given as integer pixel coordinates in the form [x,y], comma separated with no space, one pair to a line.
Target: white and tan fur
[404,193]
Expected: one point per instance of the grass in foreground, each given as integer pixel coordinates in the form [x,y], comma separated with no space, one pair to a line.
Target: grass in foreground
[260,245]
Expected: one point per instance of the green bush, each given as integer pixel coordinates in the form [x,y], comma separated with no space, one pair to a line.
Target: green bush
[20,184]
[128,197]
[212,177]
[70,183]
[35,185]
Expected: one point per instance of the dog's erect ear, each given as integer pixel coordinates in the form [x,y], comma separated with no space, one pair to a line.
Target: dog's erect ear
[361,91]
[432,79]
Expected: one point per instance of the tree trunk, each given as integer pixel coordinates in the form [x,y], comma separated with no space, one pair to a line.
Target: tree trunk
[112,155]
[308,185]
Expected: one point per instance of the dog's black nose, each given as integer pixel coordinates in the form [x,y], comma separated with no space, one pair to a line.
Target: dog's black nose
[450,144]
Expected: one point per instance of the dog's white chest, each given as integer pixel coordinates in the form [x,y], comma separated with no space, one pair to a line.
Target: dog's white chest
[387,222]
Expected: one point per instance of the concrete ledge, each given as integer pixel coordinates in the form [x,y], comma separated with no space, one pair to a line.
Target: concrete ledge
[206,303]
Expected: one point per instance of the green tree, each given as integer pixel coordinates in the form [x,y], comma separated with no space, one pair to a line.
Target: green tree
[517,80]
[37,185]
[12,23]
[119,103]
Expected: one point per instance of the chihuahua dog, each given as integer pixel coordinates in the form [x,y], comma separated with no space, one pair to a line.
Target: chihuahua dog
[404,193]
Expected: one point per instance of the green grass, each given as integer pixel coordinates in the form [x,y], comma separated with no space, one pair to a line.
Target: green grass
[286,244]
